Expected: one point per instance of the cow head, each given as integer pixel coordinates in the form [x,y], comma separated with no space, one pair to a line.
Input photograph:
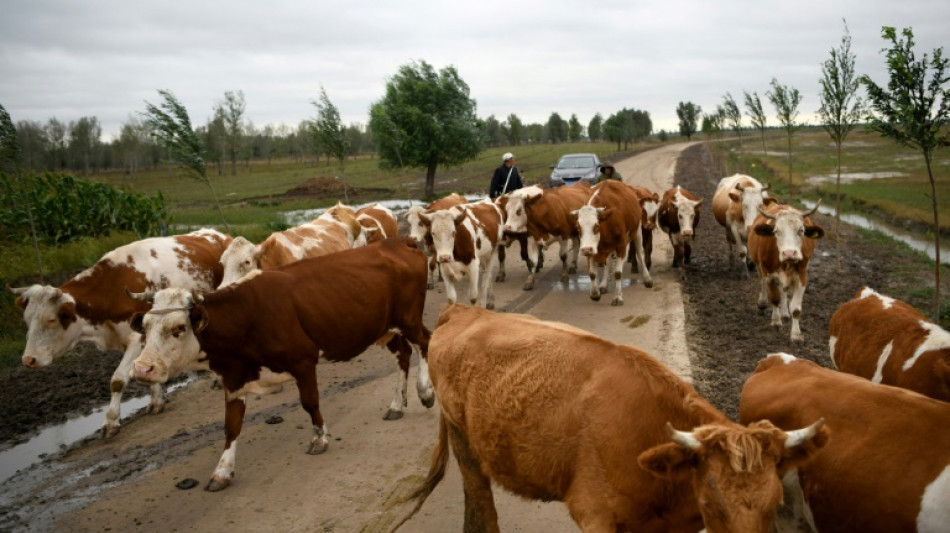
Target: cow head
[751,199]
[735,471]
[169,344]
[516,219]
[52,324]
[442,226]
[589,219]
[417,229]
[649,205]
[789,227]
[239,259]
[686,213]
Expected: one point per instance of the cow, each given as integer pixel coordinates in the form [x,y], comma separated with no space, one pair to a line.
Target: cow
[888,341]
[465,240]
[678,216]
[552,412]
[418,232]
[886,466]
[608,223]
[545,216]
[335,230]
[735,206]
[781,244]
[284,320]
[378,222]
[92,306]
[649,205]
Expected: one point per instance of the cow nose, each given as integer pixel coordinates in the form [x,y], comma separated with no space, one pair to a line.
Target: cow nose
[688,232]
[587,251]
[790,255]
[142,372]
[507,227]
[29,361]
[445,258]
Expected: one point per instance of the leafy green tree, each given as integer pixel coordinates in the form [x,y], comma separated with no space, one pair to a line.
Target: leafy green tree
[231,111]
[494,133]
[712,124]
[613,129]
[753,106]
[425,119]
[786,100]
[574,128]
[133,141]
[331,134]
[10,156]
[56,132]
[84,143]
[641,124]
[595,128]
[34,144]
[733,115]
[841,108]
[688,114]
[557,128]
[516,129]
[171,126]
[913,110]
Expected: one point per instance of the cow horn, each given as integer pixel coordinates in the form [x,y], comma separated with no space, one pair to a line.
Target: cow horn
[17,290]
[683,438]
[765,213]
[767,186]
[799,436]
[739,187]
[147,296]
[196,298]
[811,211]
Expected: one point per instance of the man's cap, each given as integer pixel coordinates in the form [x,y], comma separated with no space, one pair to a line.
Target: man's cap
[507,156]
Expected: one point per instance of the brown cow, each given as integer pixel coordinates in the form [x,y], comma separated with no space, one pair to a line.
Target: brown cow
[284,320]
[608,224]
[649,205]
[887,341]
[93,306]
[781,244]
[678,216]
[735,206]
[417,230]
[886,467]
[378,222]
[545,215]
[551,412]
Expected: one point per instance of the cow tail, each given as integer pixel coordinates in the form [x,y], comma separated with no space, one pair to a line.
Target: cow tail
[440,457]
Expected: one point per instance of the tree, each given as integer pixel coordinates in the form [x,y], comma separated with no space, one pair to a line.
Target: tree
[753,107]
[133,139]
[231,111]
[786,102]
[515,130]
[494,134]
[331,134]
[688,114]
[595,127]
[171,126]
[56,133]
[557,128]
[840,108]
[733,115]
[33,143]
[425,119]
[913,110]
[84,143]
[574,129]
[10,155]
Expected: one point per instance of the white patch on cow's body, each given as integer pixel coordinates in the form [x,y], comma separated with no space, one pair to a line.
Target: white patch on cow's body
[886,301]
[937,339]
[786,358]
[224,471]
[832,342]
[881,361]
[934,514]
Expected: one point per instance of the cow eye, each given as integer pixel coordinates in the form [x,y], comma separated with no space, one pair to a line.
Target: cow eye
[179,329]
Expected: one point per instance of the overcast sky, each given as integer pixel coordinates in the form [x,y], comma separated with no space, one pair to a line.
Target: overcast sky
[104,58]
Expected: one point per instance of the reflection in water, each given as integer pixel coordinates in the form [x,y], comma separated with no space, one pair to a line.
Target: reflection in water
[302,216]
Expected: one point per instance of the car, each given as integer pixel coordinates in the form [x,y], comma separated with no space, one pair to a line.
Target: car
[573,168]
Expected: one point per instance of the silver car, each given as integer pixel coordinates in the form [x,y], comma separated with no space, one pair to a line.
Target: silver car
[572,168]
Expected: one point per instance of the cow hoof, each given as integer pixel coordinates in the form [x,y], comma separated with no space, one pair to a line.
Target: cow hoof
[430,286]
[500,278]
[428,402]
[617,302]
[648,284]
[215,484]
[391,414]
[490,305]
[107,432]
[603,290]
[572,270]
[316,448]
[155,408]
[595,296]
[529,285]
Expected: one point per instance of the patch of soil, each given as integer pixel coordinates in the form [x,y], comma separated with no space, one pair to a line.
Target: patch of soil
[326,187]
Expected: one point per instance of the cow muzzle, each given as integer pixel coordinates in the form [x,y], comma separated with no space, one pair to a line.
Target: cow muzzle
[791,256]
[587,251]
[445,258]
[145,372]
[31,362]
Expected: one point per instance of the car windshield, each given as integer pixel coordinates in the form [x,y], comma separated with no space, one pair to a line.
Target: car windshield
[576,162]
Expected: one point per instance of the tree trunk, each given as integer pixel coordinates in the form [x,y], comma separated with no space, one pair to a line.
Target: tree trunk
[764,151]
[933,199]
[430,179]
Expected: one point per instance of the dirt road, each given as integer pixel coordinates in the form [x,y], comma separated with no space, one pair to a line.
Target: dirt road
[128,483]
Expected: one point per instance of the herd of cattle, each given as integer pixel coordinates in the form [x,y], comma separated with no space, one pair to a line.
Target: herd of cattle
[546,410]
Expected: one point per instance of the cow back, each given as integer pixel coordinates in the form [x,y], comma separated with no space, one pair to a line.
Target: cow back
[550,214]
[316,238]
[617,231]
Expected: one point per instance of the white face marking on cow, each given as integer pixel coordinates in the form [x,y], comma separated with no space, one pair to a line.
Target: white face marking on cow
[516,219]
[937,339]
[239,259]
[886,301]
[170,343]
[786,358]
[442,228]
[588,223]
[789,233]
[48,308]
[650,208]
[881,361]
[416,230]
[685,212]
[934,511]
[751,202]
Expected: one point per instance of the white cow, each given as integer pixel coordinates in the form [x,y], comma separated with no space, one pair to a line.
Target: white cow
[735,206]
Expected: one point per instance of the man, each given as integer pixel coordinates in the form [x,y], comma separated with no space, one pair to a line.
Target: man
[506,177]
[608,172]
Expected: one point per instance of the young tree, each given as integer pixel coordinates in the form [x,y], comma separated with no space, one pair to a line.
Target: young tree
[84,144]
[10,155]
[231,111]
[574,129]
[331,134]
[841,108]
[733,115]
[171,126]
[753,107]
[595,129]
[689,115]
[34,144]
[557,128]
[426,119]
[515,129]
[786,100]
[913,110]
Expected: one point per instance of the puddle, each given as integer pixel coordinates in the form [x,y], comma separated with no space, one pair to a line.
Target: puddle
[57,438]
[301,216]
[848,177]
[914,241]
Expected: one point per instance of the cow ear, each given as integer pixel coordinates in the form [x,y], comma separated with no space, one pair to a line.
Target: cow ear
[199,318]
[735,197]
[67,314]
[136,323]
[699,203]
[814,232]
[22,302]
[765,230]
[532,199]
[768,200]
[604,213]
[668,461]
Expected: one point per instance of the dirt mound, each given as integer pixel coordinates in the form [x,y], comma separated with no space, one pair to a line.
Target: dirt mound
[322,186]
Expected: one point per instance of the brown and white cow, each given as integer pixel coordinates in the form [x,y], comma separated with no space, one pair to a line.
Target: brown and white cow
[465,240]
[886,467]
[781,244]
[335,230]
[93,306]
[545,215]
[287,318]
[678,217]
[608,224]
[418,231]
[378,222]
[735,206]
[888,341]
[649,205]
[551,412]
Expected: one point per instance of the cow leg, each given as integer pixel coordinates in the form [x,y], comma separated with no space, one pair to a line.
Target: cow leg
[500,249]
[596,275]
[488,288]
[403,351]
[616,271]
[575,251]
[480,513]
[642,266]
[120,379]
[451,276]
[433,267]
[474,287]
[234,406]
[687,249]
[310,401]
[777,298]
[799,283]
[419,336]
